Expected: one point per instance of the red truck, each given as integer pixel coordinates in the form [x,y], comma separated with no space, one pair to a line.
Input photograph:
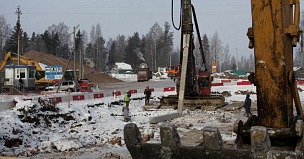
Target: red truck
[143,73]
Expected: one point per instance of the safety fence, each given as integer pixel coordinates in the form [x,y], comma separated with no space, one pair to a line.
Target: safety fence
[229,83]
[80,96]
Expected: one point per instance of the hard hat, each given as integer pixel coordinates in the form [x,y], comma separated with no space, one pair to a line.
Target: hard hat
[128,91]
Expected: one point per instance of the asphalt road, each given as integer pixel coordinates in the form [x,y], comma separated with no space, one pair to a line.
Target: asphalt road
[137,85]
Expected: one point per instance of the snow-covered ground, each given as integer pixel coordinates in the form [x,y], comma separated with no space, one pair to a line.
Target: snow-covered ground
[94,128]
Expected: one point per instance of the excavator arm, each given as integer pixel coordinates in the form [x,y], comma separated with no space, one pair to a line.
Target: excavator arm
[5,60]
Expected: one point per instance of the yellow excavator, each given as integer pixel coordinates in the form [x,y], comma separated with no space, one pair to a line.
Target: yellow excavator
[40,73]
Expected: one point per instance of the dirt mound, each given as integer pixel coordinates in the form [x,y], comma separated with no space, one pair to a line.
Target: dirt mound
[52,60]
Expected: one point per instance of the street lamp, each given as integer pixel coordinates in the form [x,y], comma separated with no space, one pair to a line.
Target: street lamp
[75,78]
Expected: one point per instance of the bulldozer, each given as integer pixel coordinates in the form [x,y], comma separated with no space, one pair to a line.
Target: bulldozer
[277,131]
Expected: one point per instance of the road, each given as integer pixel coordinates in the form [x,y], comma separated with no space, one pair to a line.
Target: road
[137,85]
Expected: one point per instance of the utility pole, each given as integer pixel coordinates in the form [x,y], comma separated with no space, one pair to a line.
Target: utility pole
[80,59]
[75,78]
[18,12]
[237,60]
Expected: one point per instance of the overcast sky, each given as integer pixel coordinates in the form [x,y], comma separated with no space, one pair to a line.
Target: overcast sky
[230,18]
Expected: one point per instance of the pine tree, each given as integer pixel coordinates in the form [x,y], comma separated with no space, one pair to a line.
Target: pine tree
[25,43]
[132,49]
[12,42]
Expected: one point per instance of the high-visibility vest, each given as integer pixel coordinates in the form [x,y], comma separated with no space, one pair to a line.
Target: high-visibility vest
[127,99]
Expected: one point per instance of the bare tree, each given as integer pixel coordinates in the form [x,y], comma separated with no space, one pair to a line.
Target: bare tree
[206,48]
[252,64]
[233,63]
[226,59]
[5,30]
[92,35]
[197,55]
[216,49]
[63,33]
[155,35]
[98,43]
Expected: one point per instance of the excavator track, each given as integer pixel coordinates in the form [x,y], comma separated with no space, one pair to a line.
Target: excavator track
[194,102]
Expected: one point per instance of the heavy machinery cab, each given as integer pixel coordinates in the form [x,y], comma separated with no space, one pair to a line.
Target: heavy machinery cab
[174,71]
[204,83]
[39,74]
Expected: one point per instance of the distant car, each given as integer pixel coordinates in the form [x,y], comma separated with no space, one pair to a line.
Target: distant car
[65,86]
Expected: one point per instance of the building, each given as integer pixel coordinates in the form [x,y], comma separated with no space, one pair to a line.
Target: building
[12,75]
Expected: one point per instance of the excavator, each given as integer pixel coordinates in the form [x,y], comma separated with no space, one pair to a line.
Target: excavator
[40,73]
[277,131]
[194,87]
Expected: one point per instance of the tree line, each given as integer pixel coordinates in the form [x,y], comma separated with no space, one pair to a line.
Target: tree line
[154,48]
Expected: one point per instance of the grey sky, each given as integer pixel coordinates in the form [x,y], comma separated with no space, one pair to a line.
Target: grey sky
[230,18]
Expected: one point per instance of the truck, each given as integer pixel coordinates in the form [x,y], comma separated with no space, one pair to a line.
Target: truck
[173,71]
[143,73]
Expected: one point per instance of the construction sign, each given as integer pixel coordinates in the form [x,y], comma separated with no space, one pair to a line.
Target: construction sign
[213,67]
[53,72]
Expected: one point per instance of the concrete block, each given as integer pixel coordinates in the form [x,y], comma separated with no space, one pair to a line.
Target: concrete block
[212,139]
[126,114]
[157,119]
[6,105]
[260,142]
[169,135]
[170,140]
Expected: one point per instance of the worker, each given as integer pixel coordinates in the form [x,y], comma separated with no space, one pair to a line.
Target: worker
[127,98]
[147,93]
[21,84]
[247,105]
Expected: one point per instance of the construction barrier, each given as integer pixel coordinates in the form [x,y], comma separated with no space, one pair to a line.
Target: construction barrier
[85,89]
[78,97]
[217,84]
[57,99]
[169,89]
[225,81]
[100,95]
[117,93]
[244,83]
[300,82]
[133,91]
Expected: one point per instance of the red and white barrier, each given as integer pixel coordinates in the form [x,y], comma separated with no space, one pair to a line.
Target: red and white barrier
[229,83]
[133,91]
[169,89]
[117,93]
[217,84]
[300,82]
[99,95]
[244,83]
[78,97]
